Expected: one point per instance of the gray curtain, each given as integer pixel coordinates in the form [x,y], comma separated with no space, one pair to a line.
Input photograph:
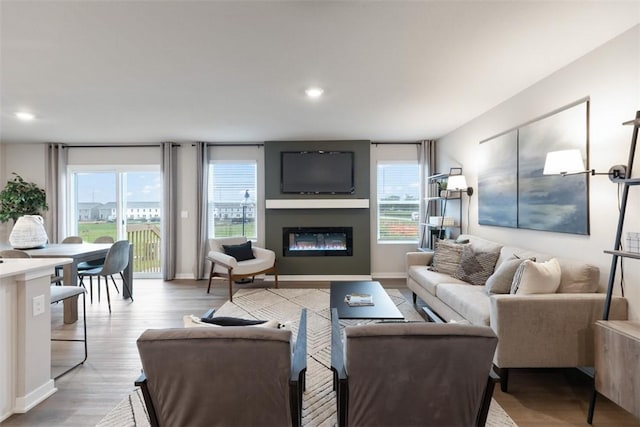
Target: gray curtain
[202,177]
[56,188]
[169,203]
[427,160]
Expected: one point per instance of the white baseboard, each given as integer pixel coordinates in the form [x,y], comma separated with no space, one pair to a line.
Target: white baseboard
[400,275]
[24,403]
[317,278]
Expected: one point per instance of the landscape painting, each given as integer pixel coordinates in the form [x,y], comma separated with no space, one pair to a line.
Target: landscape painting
[498,181]
[553,202]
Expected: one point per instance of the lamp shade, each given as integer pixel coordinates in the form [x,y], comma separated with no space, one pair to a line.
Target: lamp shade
[457,183]
[563,162]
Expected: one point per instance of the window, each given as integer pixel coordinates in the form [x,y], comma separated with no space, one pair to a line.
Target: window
[232,190]
[398,197]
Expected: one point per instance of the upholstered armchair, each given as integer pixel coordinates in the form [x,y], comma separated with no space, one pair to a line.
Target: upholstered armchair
[408,374]
[239,261]
[223,375]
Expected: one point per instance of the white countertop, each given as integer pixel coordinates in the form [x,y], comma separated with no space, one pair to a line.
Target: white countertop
[14,266]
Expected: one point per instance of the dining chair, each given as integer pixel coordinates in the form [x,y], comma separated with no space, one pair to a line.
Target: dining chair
[72,239]
[116,261]
[88,265]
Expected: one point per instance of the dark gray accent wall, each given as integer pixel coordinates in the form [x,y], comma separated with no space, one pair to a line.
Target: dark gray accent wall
[359,219]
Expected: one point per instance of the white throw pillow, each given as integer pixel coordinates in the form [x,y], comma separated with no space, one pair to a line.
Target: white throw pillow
[537,278]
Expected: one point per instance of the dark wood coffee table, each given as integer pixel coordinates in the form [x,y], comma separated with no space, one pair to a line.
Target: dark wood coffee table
[383,307]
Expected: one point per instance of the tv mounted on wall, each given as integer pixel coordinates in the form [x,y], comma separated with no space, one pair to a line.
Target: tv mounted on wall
[317,172]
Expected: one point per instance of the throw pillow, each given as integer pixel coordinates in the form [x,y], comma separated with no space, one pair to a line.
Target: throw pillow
[502,278]
[475,267]
[241,252]
[446,257]
[537,278]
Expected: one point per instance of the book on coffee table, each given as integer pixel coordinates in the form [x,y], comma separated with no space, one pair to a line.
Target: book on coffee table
[358,299]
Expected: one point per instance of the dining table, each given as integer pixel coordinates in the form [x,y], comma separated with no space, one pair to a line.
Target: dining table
[79,252]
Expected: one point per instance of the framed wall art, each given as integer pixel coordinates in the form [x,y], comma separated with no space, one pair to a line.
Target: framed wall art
[512,190]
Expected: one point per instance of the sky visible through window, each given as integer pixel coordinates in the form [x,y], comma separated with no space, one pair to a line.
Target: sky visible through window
[100,187]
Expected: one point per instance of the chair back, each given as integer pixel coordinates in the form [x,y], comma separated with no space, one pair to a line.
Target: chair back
[14,253]
[72,239]
[104,239]
[218,376]
[408,374]
[216,244]
[117,258]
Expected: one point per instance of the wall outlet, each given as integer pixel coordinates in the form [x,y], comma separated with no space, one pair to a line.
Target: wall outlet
[184,214]
[38,305]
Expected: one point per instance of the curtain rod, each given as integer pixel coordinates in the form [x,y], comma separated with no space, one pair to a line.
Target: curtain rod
[110,145]
[213,144]
[396,143]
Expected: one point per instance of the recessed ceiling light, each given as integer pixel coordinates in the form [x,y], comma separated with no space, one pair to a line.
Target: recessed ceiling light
[23,115]
[314,92]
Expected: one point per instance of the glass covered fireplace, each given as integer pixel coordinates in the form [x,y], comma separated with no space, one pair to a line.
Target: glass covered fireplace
[317,241]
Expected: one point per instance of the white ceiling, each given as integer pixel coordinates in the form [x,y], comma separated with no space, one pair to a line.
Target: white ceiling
[231,71]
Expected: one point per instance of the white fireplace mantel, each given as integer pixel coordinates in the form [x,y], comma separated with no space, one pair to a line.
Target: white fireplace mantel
[317,204]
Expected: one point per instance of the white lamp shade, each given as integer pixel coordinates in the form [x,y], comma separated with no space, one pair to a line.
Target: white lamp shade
[457,183]
[563,162]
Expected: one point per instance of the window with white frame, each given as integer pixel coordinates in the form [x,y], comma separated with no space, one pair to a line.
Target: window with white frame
[232,196]
[398,201]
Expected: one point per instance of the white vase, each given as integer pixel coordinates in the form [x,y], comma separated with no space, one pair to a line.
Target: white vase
[28,233]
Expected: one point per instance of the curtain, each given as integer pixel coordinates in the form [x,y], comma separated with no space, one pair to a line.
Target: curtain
[427,161]
[202,177]
[56,186]
[169,203]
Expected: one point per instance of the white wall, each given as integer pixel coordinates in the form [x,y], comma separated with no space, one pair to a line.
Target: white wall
[610,77]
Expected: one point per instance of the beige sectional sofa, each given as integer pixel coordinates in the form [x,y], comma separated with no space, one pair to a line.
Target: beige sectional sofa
[534,330]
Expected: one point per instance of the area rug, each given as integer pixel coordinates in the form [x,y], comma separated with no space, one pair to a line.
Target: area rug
[319,403]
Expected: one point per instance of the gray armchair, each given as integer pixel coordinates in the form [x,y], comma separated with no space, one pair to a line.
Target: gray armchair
[409,374]
[223,265]
[223,376]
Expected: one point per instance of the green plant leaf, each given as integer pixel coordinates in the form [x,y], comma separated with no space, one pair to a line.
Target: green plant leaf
[19,198]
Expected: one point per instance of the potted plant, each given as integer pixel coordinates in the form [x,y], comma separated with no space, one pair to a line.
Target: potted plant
[22,202]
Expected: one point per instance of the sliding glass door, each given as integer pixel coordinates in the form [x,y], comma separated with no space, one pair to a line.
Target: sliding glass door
[123,203]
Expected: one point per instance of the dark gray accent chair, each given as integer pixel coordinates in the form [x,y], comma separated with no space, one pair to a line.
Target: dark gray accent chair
[410,374]
[223,376]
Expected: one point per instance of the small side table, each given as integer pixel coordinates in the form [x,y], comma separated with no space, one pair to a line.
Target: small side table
[617,351]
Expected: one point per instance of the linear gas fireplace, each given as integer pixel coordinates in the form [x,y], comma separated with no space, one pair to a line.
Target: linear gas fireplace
[317,241]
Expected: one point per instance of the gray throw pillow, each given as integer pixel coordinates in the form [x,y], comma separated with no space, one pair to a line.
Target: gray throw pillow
[475,267]
[446,257]
[502,278]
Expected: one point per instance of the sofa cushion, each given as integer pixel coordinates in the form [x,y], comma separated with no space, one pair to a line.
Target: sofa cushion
[502,278]
[447,257]
[469,301]
[476,266]
[578,277]
[430,279]
[536,278]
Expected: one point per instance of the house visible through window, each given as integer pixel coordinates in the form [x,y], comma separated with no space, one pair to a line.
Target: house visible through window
[398,197]
[232,199]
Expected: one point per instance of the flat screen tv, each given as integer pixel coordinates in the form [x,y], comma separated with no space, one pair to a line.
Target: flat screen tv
[317,172]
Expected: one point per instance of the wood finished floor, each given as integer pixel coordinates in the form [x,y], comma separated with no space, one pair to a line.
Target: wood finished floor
[554,397]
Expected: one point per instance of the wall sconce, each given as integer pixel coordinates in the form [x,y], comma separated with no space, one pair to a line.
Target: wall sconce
[459,183]
[569,162]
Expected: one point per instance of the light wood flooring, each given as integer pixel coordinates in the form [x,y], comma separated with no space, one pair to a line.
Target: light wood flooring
[554,397]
